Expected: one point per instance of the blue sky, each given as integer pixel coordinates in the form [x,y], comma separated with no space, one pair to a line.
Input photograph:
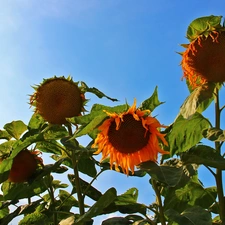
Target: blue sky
[123,47]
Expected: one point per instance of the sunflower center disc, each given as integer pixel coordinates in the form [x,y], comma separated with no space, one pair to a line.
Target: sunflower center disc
[130,137]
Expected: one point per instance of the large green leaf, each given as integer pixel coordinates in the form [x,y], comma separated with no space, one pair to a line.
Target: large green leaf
[202,154]
[169,175]
[191,194]
[152,102]
[16,128]
[191,216]
[185,133]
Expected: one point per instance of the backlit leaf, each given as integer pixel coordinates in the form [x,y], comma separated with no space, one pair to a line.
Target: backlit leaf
[185,133]
[15,128]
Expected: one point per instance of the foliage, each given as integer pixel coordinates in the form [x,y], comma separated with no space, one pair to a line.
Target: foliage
[181,198]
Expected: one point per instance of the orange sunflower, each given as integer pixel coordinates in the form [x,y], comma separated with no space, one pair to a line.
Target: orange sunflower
[204,59]
[58,98]
[129,138]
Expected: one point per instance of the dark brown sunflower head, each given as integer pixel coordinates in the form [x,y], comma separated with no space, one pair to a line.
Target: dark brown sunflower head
[58,98]
[130,137]
[204,58]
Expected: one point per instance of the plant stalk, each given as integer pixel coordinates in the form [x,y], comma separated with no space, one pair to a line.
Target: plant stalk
[218,176]
[159,202]
[80,196]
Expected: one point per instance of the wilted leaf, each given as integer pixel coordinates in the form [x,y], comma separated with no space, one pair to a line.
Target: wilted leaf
[95,91]
[198,100]
[214,134]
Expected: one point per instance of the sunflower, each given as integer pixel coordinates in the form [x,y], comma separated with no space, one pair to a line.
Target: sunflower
[58,98]
[204,59]
[129,138]
[24,165]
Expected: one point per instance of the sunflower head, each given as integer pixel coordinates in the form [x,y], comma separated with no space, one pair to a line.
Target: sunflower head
[203,60]
[24,166]
[58,98]
[129,138]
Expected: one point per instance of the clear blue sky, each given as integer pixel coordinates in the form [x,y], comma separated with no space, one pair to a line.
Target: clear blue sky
[123,47]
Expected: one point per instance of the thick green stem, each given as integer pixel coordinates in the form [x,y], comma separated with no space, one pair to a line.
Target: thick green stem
[78,189]
[52,197]
[159,202]
[77,178]
[219,181]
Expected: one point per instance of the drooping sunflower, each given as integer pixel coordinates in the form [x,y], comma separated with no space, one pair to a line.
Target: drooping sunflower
[129,138]
[204,58]
[58,98]
[24,166]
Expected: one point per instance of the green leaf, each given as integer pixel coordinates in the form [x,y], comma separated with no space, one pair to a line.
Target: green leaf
[185,133]
[192,194]
[58,184]
[67,201]
[51,146]
[12,191]
[36,218]
[116,221]
[88,189]
[191,216]
[95,91]
[87,166]
[168,175]
[214,134]
[6,147]
[152,102]
[95,118]
[15,128]
[105,200]
[198,100]
[4,212]
[36,122]
[55,132]
[5,167]
[202,154]
[130,196]
[203,26]
[5,135]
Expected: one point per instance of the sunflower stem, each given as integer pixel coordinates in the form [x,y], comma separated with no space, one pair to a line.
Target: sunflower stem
[77,177]
[218,175]
[159,202]
[52,197]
